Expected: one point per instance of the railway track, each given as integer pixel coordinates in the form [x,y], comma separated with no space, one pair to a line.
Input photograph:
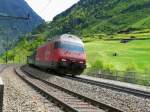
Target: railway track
[2,67]
[119,88]
[68,100]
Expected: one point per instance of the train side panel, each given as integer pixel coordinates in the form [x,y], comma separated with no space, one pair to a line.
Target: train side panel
[44,56]
[65,54]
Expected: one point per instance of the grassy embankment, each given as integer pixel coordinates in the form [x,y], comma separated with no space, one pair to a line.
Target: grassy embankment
[112,56]
[135,53]
[132,56]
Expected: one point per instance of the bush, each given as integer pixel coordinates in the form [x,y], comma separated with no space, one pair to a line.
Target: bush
[101,70]
[86,40]
[109,67]
[109,71]
[130,74]
[146,80]
[131,67]
[96,67]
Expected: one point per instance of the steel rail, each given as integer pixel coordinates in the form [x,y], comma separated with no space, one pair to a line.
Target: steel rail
[44,93]
[119,88]
[93,102]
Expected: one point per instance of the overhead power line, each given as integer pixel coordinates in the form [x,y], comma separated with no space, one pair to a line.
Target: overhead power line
[4,16]
[15,17]
[46,6]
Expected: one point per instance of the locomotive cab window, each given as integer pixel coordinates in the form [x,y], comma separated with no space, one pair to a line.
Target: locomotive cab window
[57,45]
[74,47]
[69,46]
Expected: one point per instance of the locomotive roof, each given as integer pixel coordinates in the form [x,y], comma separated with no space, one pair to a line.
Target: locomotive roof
[68,37]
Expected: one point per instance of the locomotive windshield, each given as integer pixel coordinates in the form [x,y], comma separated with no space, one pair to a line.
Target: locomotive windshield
[76,47]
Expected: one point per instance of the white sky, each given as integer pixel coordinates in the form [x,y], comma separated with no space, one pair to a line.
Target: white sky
[47,9]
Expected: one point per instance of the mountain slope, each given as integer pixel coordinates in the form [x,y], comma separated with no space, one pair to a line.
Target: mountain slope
[102,16]
[11,28]
[95,17]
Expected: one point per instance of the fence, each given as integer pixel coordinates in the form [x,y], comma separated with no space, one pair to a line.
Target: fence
[124,76]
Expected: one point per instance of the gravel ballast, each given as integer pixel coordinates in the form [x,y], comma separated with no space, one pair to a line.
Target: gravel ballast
[125,102]
[20,97]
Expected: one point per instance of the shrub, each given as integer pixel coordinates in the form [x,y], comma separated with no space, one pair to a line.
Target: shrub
[109,71]
[146,80]
[130,74]
[96,67]
[109,67]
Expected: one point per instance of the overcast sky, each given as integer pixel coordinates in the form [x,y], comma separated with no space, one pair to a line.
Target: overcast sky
[47,9]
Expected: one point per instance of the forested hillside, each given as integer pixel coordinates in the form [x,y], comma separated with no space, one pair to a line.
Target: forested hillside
[90,18]
[12,28]
[102,16]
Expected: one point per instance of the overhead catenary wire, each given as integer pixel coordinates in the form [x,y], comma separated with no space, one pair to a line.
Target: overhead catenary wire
[28,18]
[45,7]
[15,17]
[4,16]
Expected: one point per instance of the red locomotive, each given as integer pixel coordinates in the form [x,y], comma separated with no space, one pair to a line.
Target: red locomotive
[64,54]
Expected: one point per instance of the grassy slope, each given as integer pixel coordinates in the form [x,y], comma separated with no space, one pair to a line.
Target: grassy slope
[102,16]
[23,49]
[99,17]
[134,53]
[138,34]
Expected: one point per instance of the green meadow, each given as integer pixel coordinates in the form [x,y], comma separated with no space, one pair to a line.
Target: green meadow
[134,54]
[109,56]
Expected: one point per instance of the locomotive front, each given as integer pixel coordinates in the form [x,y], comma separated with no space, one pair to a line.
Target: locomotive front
[72,55]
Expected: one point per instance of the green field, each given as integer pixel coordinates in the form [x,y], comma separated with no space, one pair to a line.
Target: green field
[135,54]
[132,59]
[134,34]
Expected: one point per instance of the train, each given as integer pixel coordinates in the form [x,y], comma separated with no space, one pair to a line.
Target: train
[64,54]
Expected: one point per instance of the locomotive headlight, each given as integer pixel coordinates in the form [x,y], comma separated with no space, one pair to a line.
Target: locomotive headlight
[64,60]
[81,62]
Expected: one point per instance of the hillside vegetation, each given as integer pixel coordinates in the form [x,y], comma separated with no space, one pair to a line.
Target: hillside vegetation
[96,21]
[12,28]
[102,16]
[134,54]
[114,19]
